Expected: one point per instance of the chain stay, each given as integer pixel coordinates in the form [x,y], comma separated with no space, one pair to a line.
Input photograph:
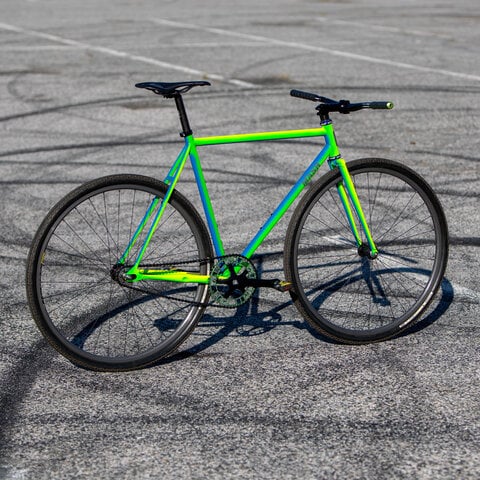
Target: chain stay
[249,282]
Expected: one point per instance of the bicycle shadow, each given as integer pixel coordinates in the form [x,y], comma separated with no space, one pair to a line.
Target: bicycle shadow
[440,307]
[246,322]
[249,321]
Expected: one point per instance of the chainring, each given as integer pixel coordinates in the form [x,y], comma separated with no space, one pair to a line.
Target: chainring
[229,281]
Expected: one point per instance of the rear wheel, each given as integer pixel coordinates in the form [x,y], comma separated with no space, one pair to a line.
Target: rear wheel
[77,291]
[337,287]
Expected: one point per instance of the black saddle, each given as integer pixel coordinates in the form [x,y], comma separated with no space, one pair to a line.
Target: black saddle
[170,89]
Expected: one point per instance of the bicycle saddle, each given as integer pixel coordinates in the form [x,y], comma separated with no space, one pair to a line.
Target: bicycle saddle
[170,88]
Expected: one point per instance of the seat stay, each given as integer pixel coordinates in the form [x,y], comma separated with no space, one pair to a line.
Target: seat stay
[171,180]
[172,177]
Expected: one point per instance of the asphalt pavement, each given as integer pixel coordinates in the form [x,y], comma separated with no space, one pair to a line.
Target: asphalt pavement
[254,392]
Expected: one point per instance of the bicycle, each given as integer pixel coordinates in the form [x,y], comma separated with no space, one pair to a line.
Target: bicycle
[122,268]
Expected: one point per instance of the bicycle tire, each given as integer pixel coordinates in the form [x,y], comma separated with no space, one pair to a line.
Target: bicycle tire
[352,298]
[87,315]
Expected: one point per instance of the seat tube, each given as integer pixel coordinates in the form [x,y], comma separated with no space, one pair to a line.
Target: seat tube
[205,197]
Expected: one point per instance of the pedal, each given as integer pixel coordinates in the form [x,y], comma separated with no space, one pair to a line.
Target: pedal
[282,285]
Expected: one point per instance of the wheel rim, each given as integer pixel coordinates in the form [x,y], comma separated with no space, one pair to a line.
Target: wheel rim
[88,311]
[356,296]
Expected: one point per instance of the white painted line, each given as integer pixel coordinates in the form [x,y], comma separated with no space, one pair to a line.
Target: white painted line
[34,48]
[212,45]
[313,48]
[381,28]
[464,293]
[128,56]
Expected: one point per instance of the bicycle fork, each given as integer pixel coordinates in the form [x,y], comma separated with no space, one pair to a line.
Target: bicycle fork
[348,196]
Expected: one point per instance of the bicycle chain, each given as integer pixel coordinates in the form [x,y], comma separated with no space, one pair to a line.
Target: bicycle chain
[202,261]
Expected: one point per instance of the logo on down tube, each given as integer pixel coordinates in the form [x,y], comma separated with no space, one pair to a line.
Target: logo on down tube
[311,174]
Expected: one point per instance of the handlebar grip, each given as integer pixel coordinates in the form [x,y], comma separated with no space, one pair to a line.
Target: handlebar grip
[305,95]
[380,105]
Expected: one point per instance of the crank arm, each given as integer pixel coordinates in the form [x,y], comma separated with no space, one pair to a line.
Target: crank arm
[280,285]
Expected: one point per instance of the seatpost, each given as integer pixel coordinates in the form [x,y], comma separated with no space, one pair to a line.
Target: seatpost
[186,130]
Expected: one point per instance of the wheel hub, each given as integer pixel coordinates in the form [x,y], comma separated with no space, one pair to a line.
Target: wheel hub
[364,251]
[119,275]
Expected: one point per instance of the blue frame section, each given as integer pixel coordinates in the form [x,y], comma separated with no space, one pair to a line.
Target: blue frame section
[287,201]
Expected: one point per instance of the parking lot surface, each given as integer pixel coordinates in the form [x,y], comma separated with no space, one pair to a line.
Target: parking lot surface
[254,392]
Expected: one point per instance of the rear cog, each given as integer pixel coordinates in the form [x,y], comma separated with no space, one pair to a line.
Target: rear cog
[229,281]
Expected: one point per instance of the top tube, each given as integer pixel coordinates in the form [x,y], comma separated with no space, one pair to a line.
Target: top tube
[262,136]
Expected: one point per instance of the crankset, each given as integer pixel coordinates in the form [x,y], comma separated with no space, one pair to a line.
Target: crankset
[234,279]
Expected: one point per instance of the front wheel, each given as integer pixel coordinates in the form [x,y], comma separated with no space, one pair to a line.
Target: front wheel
[76,281]
[337,287]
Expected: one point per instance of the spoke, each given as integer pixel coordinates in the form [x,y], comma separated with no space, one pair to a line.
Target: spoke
[92,229]
[406,238]
[175,247]
[68,292]
[83,293]
[342,219]
[107,231]
[411,278]
[95,323]
[76,255]
[372,204]
[389,201]
[400,216]
[396,300]
[82,241]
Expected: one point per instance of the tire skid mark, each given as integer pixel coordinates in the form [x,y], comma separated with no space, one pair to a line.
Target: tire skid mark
[254,180]
[276,90]
[67,106]
[88,145]
[17,383]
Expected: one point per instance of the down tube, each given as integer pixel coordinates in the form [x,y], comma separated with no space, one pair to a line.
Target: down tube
[286,202]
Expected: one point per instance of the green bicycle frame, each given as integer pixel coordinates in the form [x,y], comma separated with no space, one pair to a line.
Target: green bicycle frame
[330,152]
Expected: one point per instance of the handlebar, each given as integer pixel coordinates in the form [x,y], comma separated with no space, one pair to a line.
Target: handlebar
[328,105]
[309,96]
